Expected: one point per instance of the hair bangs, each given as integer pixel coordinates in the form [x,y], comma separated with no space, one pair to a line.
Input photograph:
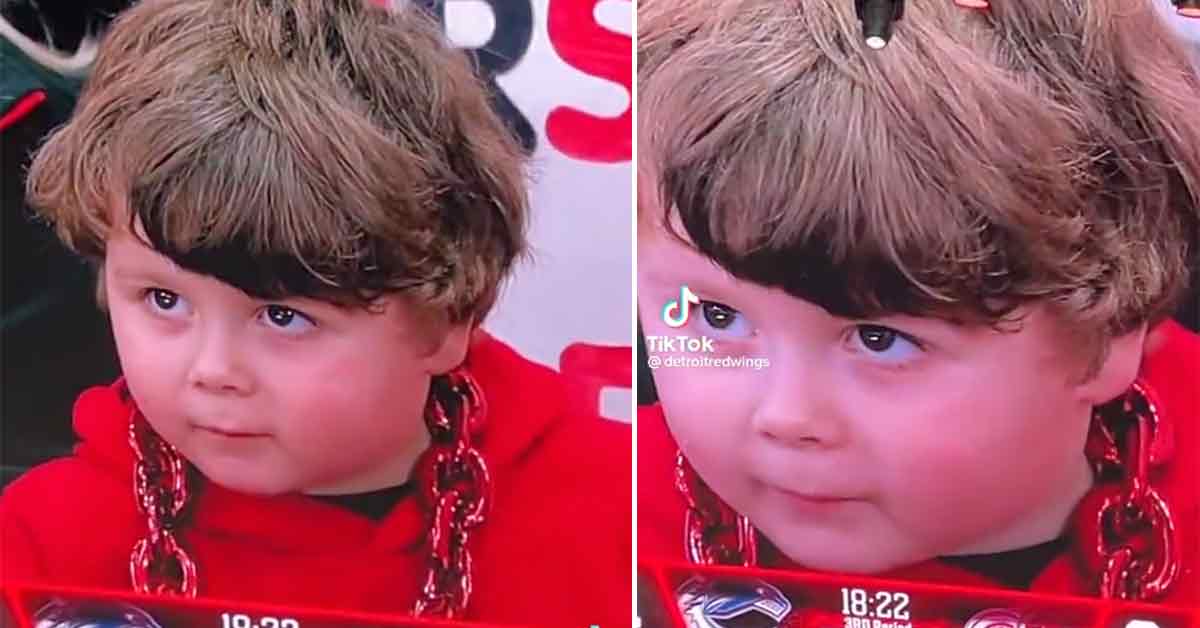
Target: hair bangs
[257,220]
[867,183]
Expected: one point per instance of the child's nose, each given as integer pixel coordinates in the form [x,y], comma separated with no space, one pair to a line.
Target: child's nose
[217,365]
[796,411]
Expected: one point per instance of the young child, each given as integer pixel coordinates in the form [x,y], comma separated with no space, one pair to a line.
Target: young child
[301,212]
[956,258]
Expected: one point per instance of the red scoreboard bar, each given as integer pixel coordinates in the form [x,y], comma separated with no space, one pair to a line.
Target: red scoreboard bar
[690,596]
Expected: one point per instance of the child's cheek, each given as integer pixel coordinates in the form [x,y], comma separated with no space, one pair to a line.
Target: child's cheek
[971,484]
[708,411]
[350,386]
[150,361]
[709,392]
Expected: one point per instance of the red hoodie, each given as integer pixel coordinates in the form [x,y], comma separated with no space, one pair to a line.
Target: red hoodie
[555,549]
[1172,371]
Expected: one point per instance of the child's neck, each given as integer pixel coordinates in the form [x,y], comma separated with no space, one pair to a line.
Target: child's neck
[1043,525]
[391,472]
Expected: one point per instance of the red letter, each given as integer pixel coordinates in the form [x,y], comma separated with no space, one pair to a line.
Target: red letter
[594,50]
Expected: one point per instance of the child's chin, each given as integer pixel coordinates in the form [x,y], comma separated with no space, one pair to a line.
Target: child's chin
[842,557]
[245,481]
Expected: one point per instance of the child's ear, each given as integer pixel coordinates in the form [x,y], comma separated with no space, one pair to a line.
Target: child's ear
[451,348]
[1116,372]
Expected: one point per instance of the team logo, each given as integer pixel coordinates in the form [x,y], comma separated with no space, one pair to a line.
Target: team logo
[61,614]
[707,604]
[1005,618]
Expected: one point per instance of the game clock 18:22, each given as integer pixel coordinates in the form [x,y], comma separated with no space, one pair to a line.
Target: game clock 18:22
[238,620]
[875,609]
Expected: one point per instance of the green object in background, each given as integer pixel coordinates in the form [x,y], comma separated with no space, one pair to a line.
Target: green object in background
[21,75]
[37,279]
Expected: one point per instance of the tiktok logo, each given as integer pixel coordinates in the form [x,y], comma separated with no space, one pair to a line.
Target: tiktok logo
[682,307]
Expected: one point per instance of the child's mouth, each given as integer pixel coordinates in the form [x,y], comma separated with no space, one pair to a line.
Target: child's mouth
[230,433]
[816,499]
[807,504]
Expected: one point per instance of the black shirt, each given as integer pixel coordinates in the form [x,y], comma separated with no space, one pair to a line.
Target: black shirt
[1016,568]
[373,504]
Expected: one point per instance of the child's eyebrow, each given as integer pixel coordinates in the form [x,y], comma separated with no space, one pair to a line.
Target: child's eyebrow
[145,270]
[685,274]
[129,273]
[694,265]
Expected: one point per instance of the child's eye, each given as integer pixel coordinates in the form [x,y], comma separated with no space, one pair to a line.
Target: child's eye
[286,319]
[166,303]
[885,343]
[724,320]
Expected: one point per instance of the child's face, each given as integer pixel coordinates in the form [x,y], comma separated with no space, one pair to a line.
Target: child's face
[267,397]
[870,445]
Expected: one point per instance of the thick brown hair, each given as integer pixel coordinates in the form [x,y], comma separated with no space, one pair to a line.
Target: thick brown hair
[325,148]
[1043,150]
